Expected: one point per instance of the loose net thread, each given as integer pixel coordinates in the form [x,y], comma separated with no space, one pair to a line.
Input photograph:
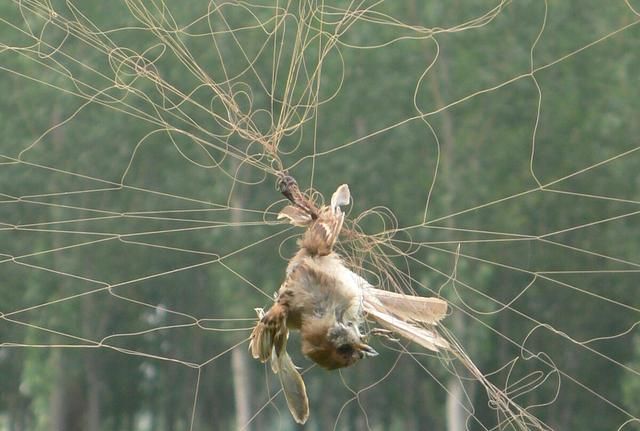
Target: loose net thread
[243,136]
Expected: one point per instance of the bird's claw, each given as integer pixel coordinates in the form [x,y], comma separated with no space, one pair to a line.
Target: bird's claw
[284,183]
[381,332]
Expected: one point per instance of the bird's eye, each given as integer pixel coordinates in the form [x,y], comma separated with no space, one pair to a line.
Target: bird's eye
[345,349]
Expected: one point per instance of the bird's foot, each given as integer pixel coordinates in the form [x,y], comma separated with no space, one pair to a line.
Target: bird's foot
[381,332]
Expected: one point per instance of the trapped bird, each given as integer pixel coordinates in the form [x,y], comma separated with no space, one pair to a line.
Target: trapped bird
[328,303]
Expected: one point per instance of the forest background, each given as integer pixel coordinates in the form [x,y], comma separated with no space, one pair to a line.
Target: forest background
[490,147]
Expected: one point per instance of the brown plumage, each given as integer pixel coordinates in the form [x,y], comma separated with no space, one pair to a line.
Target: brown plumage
[328,303]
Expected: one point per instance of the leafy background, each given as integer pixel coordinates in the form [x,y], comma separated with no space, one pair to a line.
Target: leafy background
[491,147]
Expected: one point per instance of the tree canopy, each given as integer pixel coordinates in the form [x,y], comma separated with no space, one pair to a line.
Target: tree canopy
[491,149]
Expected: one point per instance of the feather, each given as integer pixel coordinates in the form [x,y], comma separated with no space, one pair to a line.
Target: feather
[408,307]
[293,387]
[427,338]
[269,340]
[258,343]
[320,238]
[340,197]
[324,225]
[270,333]
[261,343]
[295,215]
[397,312]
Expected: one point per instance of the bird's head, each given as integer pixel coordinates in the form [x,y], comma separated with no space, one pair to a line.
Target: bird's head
[337,346]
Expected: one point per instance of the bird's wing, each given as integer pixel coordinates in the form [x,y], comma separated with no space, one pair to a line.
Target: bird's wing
[270,333]
[269,340]
[293,386]
[407,315]
[426,337]
[410,307]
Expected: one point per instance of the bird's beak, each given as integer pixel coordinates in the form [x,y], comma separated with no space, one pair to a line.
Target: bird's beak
[367,350]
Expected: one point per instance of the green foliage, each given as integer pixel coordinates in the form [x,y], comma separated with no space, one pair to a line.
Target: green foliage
[631,387]
[132,238]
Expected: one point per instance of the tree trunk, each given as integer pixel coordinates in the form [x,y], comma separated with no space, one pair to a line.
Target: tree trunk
[239,355]
[93,392]
[57,397]
[92,363]
[411,388]
[241,389]
[456,414]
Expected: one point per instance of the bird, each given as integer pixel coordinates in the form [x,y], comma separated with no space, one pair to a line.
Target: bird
[328,303]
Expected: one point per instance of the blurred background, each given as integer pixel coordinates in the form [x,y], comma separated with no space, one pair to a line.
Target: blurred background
[491,149]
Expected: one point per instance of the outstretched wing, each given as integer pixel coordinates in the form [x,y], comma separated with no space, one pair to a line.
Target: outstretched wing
[411,317]
[426,337]
[409,307]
